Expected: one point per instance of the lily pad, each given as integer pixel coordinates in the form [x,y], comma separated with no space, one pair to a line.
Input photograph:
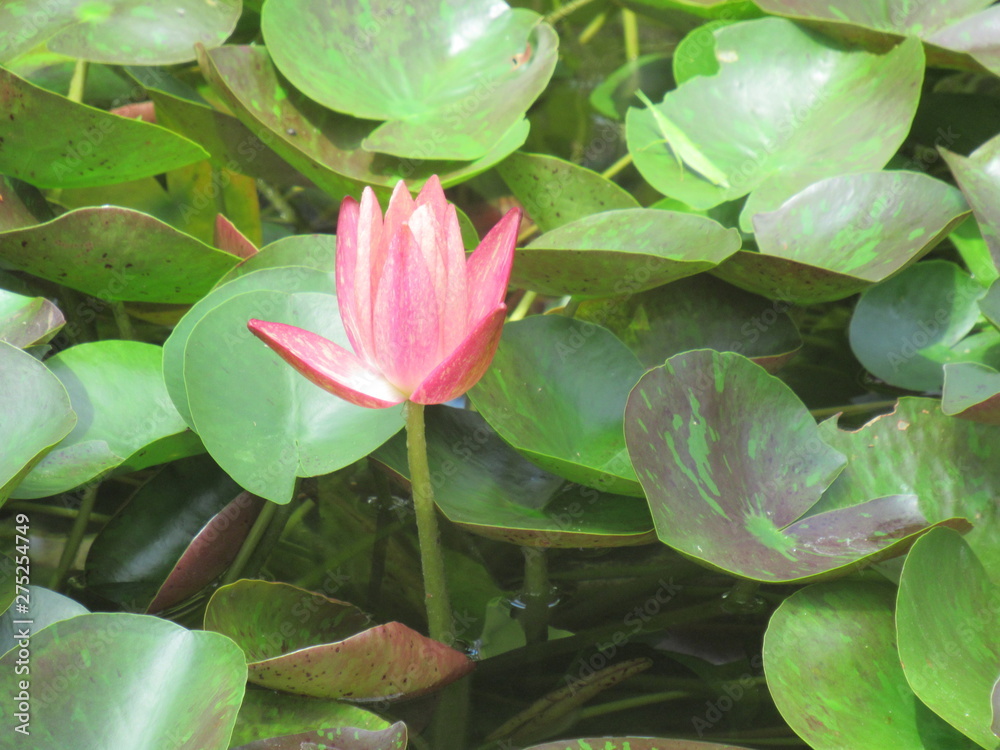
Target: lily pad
[841,111]
[729,459]
[950,464]
[622,252]
[266,713]
[905,329]
[95,250]
[103,680]
[116,389]
[259,419]
[449,79]
[947,617]
[166,519]
[45,607]
[339,738]
[487,488]
[326,146]
[556,392]
[976,174]
[632,743]
[27,321]
[35,414]
[971,391]
[843,234]
[842,635]
[50,142]
[106,32]
[310,250]
[327,650]
[974,35]
[698,312]
[554,192]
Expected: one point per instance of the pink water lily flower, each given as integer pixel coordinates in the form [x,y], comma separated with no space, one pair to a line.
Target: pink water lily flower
[424,321]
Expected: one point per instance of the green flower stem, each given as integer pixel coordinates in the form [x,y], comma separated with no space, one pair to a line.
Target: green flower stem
[593,27]
[630,27]
[26,506]
[250,543]
[439,621]
[76,534]
[123,321]
[523,306]
[535,595]
[78,82]
[570,309]
[617,167]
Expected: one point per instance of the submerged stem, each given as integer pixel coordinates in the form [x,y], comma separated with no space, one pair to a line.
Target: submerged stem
[439,620]
[76,535]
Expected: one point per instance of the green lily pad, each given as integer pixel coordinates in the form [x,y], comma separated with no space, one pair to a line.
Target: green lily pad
[325,146]
[974,36]
[95,251]
[134,556]
[905,329]
[450,78]
[672,11]
[947,617]
[976,174]
[990,303]
[729,459]
[35,414]
[841,637]
[109,679]
[622,252]
[556,392]
[950,464]
[632,743]
[27,321]
[50,142]
[259,419]
[487,488]
[328,651]
[266,713]
[976,255]
[554,192]
[310,250]
[116,388]
[773,147]
[698,312]
[44,608]
[843,234]
[971,391]
[338,738]
[107,31]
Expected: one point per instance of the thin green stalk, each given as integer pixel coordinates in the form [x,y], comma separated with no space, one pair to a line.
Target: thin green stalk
[560,13]
[250,543]
[26,506]
[617,167]
[626,703]
[76,534]
[123,321]
[523,306]
[830,411]
[451,719]
[591,29]
[535,595]
[439,620]
[78,82]
[570,308]
[630,27]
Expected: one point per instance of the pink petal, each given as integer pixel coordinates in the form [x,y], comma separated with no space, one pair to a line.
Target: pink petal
[328,365]
[432,196]
[359,229]
[488,269]
[405,321]
[400,209]
[463,368]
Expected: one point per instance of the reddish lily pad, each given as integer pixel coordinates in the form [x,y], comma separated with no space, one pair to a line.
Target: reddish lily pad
[106,31]
[554,192]
[622,252]
[854,120]
[379,63]
[309,644]
[339,738]
[843,234]
[108,678]
[95,251]
[976,174]
[487,488]
[975,36]
[729,459]
[174,536]
[27,321]
[325,146]
[947,619]
[266,713]
[971,391]
[950,464]
[905,329]
[841,637]
[556,392]
[695,313]
[35,414]
[50,142]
